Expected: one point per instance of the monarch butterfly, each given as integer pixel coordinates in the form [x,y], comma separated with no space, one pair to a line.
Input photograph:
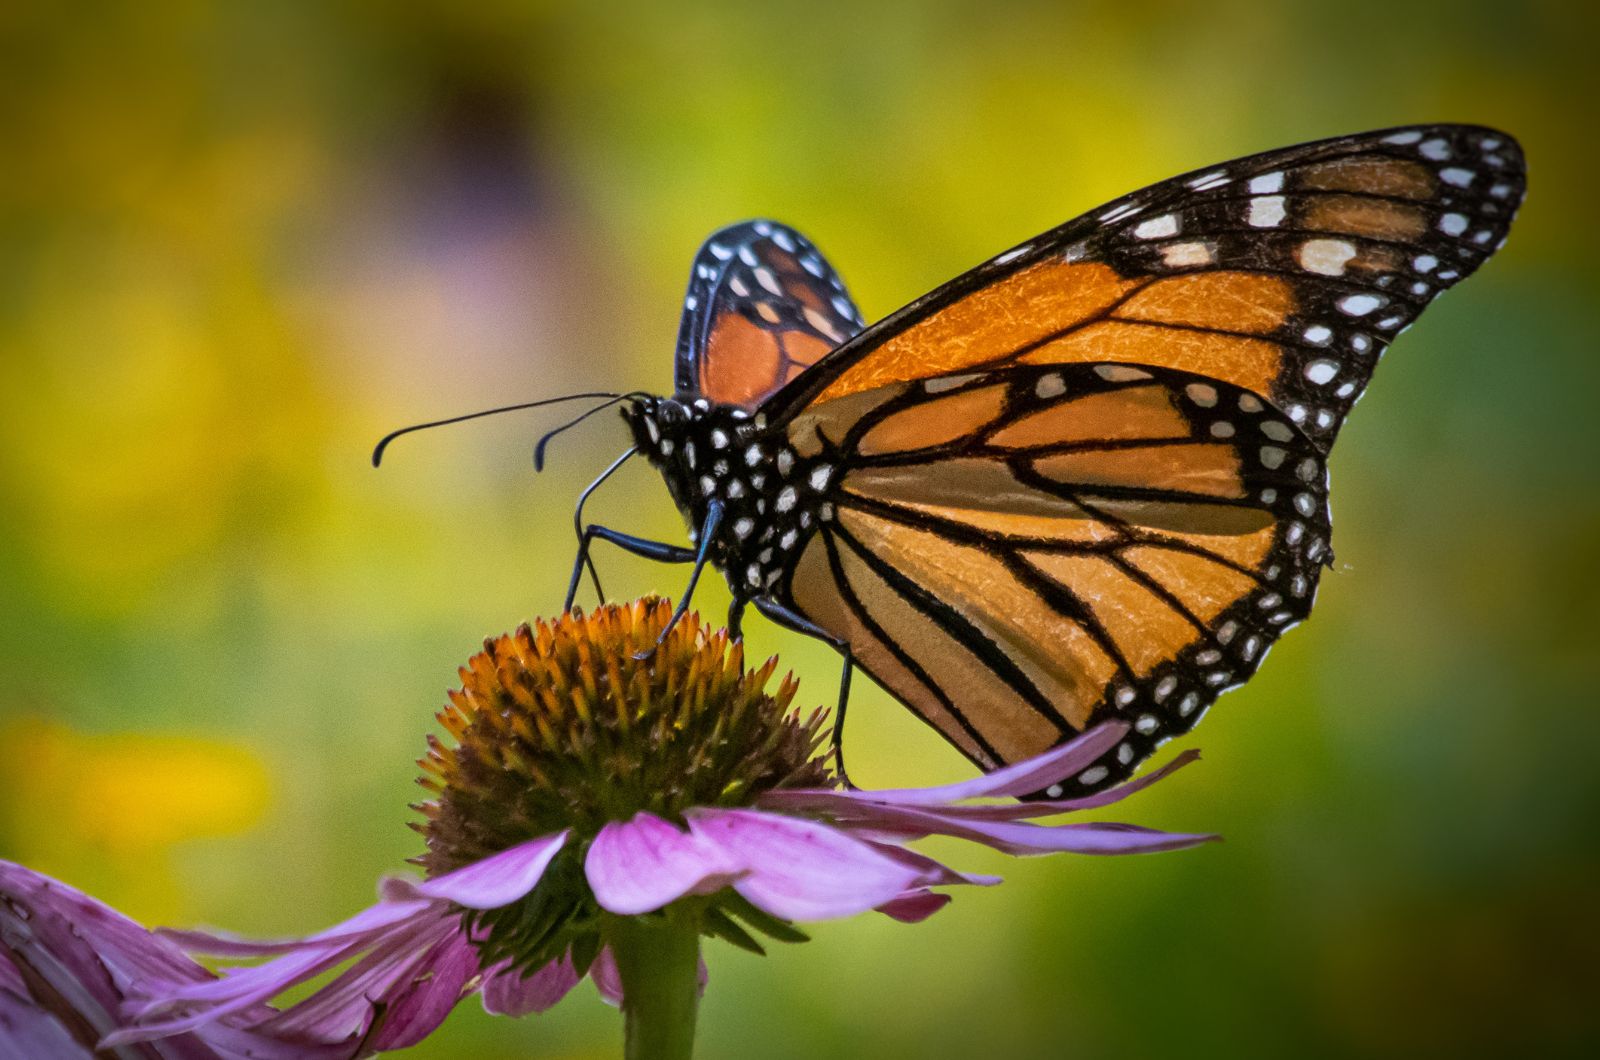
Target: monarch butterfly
[1085,479]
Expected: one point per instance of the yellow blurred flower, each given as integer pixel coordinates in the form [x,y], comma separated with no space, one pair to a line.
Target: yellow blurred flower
[83,805]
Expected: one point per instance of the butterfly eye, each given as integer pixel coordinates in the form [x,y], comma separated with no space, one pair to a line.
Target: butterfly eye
[671,412]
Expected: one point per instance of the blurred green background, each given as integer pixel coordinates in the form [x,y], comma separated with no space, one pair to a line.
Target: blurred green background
[239,242]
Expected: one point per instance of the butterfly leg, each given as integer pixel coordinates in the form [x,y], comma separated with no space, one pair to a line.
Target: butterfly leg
[656,550]
[708,532]
[791,620]
[577,519]
[736,619]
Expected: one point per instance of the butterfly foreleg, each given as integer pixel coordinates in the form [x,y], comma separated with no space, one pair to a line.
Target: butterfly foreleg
[800,624]
[708,532]
[656,550]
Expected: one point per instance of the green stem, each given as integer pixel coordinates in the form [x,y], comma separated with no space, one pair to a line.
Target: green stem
[658,958]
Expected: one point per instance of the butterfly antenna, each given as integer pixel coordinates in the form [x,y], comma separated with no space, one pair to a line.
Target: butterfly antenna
[538,450]
[377,452]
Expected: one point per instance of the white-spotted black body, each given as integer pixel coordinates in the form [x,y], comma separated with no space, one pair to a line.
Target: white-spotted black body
[772,498]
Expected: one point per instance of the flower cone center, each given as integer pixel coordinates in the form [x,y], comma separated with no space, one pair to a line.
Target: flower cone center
[584,720]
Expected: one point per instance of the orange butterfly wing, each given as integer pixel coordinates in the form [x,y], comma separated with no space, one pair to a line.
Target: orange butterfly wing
[1285,273]
[1016,568]
[763,306]
[1014,552]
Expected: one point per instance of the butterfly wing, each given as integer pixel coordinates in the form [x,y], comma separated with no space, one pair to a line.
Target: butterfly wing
[1017,567]
[1285,273]
[763,306]
[1021,552]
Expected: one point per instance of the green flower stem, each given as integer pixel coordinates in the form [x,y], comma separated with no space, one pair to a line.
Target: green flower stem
[658,958]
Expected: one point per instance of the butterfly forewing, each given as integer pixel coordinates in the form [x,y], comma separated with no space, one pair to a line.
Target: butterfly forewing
[1022,552]
[763,306]
[1285,273]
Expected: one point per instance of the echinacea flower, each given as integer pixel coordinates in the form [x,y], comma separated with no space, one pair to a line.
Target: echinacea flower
[604,801]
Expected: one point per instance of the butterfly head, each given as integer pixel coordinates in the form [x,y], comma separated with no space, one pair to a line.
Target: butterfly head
[665,430]
[673,431]
[658,425]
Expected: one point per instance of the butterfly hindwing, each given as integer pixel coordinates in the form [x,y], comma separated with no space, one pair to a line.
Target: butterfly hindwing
[763,306]
[1019,553]
[1285,273]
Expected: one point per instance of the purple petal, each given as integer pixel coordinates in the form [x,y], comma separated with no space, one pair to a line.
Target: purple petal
[236,1043]
[607,978]
[861,815]
[72,959]
[344,1006]
[641,865]
[508,993]
[84,959]
[913,907]
[803,870]
[1123,839]
[1023,839]
[933,873]
[10,978]
[74,985]
[28,1033]
[256,985]
[242,988]
[1023,778]
[418,1009]
[1016,811]
[497,880]
[263,980]
[371,923]
[85,932]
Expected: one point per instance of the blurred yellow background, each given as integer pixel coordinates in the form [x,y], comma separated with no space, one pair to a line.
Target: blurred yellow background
[241,241]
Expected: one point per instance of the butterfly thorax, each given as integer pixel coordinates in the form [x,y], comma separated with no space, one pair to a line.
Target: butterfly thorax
[772,498]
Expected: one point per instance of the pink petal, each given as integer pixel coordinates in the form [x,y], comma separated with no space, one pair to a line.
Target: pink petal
[80,957]
[641,865]
[1022,838]
[103,948]
[76,985]
[315,952]
[1023,778]
[242,988]
[371,923]
[933,873]
[799,869]
[913,907]
[88,956]
[345,1005]
[235,1043]
[860,814]
[425,1001]
[28,1032]
[1016,811]
[497,880]
[508,993]
[10,978]
[1112,838]
[256,985]
[607,978]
